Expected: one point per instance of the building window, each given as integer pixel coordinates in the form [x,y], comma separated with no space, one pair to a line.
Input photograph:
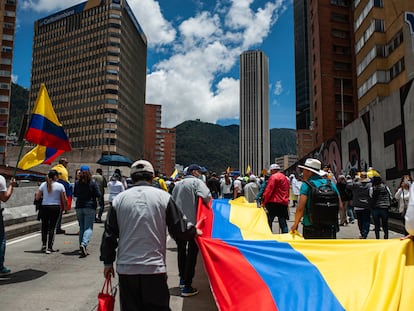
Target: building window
[397,68]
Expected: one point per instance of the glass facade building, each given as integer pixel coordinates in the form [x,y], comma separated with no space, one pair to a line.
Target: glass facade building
[92,59]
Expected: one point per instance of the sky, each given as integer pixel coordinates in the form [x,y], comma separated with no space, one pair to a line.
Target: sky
[193,54]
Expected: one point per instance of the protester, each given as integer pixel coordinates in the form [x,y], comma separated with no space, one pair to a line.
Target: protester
[115,187]
[159,182]
[237,186]
[226,185]
[186,194]
[276,198]
[360,200]
[86,193]
[259,195]
[409,215]
[5,194]
[329,174]
[213,184]
[312,173]
[53,196]
[102,184]
[346,196]
[251,189]
[138,232]
[380,203]
[61,168]
[294,189]
[350,212]
[122,179]
[402,195]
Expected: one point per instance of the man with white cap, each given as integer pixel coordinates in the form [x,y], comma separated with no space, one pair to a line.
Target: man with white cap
[276,198]
[313,174]
[136,226]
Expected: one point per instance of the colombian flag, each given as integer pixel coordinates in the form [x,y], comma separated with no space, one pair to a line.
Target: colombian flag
[250,268]
[174,175]
[44,127]
[46,131]
[39,155]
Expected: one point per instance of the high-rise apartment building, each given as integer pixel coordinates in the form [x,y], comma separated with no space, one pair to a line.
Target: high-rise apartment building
[159,142]
[92,59]
[254,112]
[7,28]
[331,61]
[384,48]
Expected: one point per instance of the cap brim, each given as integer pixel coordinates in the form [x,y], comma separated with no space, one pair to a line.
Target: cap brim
[320,172]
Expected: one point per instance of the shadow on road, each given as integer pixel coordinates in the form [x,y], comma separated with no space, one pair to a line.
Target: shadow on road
[21,276]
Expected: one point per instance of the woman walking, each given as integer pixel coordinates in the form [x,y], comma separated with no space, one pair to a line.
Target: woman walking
[402,195]
[53,195]
[86,193]
[380,204]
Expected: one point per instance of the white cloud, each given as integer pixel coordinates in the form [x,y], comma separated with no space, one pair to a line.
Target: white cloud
[208,46]
[278,88]
[14,78]
[194,81]
[48,5]
[157,29]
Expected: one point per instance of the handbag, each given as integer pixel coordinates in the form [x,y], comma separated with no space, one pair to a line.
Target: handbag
[106,298]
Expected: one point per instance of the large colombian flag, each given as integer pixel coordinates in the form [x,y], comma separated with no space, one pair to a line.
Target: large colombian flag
[46,131]
[250,268]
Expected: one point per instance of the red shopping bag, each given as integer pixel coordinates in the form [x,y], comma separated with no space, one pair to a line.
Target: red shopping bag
[106,298]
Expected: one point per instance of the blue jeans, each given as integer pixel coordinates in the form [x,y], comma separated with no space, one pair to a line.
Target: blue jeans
[364,221]
[86,218]
[2,240]
[380,217]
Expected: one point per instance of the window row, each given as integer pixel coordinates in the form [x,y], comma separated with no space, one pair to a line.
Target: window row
[377,25]
[371,4]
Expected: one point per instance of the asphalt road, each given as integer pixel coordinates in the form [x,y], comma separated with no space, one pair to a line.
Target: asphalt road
[64,282]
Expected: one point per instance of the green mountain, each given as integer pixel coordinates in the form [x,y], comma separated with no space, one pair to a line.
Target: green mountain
[18,107]
[216,147]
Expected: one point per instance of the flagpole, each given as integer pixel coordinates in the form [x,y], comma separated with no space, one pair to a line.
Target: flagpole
[23,127]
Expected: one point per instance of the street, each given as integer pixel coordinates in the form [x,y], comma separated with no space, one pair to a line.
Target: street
[64,282]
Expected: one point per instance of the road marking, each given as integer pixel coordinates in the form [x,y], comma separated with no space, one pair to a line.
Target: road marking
[33,235]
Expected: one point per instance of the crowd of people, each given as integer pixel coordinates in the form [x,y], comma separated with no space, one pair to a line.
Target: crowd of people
[145,205]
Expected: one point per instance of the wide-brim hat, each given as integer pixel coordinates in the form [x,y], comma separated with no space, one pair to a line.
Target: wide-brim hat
[314,166]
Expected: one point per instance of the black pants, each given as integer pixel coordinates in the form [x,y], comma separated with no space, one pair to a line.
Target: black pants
[142,292]
[319,232]
[49,216]
[187,260]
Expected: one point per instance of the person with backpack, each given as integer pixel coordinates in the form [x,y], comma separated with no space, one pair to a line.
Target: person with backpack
[319,203]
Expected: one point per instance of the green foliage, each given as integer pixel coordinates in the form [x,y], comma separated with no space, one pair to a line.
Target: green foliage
[217,147]
[18,107]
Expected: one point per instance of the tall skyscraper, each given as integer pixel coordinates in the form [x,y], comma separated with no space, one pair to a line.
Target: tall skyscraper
[254,112]
[7,28]
[331,63]
[92,59]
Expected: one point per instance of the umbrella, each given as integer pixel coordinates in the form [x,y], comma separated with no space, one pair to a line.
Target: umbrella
[114,160]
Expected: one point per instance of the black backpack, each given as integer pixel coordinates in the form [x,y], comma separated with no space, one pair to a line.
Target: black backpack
[324,204]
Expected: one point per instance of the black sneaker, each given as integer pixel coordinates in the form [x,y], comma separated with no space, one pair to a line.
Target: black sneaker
[83,252]
[51,250]
[188,291]
[60,231]
[43,249]
[4,270]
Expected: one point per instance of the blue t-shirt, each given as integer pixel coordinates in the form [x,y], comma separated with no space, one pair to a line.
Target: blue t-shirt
[315,180]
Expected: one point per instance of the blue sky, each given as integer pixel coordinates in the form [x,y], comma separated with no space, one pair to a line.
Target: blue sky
[193,54]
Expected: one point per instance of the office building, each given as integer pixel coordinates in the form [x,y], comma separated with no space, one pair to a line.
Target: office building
[384,48]
[7,29]
[92,59]
[331,61]
[254,134]
[159,142]
[286,161]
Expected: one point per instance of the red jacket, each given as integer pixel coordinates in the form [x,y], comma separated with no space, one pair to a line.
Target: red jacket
[277,189]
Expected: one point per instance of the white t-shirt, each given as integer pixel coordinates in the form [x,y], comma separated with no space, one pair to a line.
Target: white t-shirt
[53,197]
[3,186]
